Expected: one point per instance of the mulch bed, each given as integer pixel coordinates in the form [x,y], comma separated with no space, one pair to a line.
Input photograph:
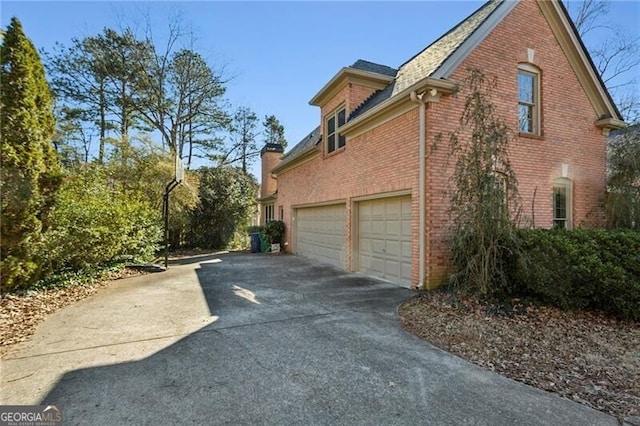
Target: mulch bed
[586,357]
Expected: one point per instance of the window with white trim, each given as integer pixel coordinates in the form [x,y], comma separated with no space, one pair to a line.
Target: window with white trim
[562,206]
[334,121]
[529,99]
[269,211]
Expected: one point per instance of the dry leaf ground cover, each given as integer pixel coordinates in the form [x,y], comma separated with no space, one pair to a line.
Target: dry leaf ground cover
[20,314]
[586,357]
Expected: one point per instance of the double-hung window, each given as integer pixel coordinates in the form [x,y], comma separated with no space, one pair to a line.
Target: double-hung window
[529,100]
[268,213]
[335,120]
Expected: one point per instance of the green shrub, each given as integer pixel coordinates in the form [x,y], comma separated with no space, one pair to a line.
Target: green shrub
[227,203]
[96,223]
[255,229]
[274,231]
[581,269]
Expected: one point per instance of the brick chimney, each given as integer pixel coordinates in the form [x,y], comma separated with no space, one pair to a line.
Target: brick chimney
[270,156]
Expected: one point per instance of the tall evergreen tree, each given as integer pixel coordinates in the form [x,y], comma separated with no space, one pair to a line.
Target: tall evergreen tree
[242,146]
[29,167]
[95,76]
[273,131]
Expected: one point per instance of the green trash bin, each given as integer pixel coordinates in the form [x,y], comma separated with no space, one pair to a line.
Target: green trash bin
[264,244]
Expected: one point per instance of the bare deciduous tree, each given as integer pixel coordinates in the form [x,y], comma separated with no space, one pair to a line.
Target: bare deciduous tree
[615,53]
[180,95]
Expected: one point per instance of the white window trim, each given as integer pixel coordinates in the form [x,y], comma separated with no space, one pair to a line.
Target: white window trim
[532,70]
[269,213]
[568,185]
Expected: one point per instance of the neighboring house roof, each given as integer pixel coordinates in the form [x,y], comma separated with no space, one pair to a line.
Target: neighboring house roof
[306,144]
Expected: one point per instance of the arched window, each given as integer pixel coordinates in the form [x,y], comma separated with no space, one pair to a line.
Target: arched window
[529,100]
[562,203]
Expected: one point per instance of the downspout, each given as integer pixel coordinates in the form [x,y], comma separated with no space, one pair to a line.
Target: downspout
[419,99]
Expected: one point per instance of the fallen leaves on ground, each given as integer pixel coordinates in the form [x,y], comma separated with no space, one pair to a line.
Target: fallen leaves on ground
[21,313]
[583,356]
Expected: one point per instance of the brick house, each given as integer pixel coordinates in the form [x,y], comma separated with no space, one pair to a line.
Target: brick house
[365,192]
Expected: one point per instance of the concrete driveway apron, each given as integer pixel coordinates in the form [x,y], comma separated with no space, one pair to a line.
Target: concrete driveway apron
[257,339]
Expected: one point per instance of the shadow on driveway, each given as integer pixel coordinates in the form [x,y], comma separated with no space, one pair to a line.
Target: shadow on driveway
[297,343]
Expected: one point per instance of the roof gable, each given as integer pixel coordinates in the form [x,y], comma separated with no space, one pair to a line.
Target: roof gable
[430,60]
[361,72]
[574,49]
[440,59]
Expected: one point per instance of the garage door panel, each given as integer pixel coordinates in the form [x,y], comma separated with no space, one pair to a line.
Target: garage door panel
[406,250]
[393,227]
[385,238]
[406,228]
[393,268]
[406,272]
[377,247]
[377,228]
[393,249]
[321,233]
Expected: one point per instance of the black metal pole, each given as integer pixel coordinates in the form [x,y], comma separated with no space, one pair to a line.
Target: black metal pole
[165,212]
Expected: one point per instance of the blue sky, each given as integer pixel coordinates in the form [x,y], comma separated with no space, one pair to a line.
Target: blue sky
[278,53]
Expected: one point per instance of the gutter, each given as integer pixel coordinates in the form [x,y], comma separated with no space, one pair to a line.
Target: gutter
[443,87]
[286,163]
[422,187]
[421,99]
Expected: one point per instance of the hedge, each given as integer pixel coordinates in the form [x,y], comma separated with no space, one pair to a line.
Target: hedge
[580,269]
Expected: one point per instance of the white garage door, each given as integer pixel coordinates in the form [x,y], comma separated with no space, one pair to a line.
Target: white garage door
[384,239]
[321,233]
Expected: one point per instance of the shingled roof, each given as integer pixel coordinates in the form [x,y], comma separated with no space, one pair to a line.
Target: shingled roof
[363,65]
[304,145]
[439,59]
[427,62]
[422,65]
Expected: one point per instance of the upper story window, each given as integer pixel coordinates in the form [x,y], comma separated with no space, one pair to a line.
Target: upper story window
[529,99]
[562,204]
[335,120]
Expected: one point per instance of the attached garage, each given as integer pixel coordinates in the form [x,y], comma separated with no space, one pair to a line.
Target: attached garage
[384,239]
[321,233]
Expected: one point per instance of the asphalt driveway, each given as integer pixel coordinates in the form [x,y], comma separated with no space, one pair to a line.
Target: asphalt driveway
[257,339]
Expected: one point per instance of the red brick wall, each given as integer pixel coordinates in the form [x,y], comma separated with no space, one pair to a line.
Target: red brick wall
[268,184]
[385,159]
[569,134]
[382,160]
